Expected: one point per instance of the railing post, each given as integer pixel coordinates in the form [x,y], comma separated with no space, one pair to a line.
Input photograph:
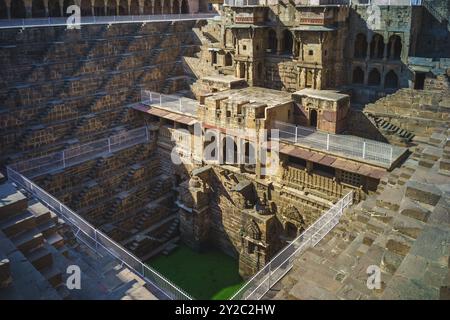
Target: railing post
[364,150]
[64,158]
[328,141]
[296,133]
[390,155]
[160,99]
[109,145]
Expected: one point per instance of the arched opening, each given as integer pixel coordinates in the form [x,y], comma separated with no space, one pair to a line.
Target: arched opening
[111,8]
[214,57]
[166,7]
[123,8]
[287,42]
[229,150]
[86,8]
[290,230]
[377,47]
[228,59]
[37,9]
[99,8]
[134,8]
[158,7]
[3,10]
[259,71]
[249,153]
[242,71]
[358,75]
[67,3]
[54,10]
[176,7]
[313,118]
[374,77]
[360,50]
[394,47]
[18,9]
[391,80]
[272,45]
[184,6]
[148,7]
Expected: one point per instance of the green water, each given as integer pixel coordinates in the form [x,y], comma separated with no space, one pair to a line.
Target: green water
[207,275]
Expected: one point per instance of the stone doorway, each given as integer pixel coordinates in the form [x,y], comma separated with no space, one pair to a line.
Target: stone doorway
[313,118]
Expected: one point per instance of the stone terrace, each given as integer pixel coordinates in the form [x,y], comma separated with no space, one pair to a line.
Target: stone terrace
[51,97]
[404,229]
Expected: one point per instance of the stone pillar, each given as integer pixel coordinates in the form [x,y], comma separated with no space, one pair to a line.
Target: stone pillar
[105,7]
[61,9]
[302,77]
[28,9]
[319,79]
[153,6]
[141,7]
[279,43]
[366,75]
[8,8]
[369,40]
[47,14]
[385,53]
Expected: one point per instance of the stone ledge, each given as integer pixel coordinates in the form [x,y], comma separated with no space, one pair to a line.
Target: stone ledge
[422,192]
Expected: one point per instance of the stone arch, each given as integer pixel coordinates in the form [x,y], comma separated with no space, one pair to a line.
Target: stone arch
[358,75]
[394,48]
[134,8]
[251,230]
[166,7]
[54,9]
[37,9]
[184,6]
[158,7]
[111,8]
[374,77]
[377,46]
[360,46]
[148,9]
[214,57]
[313,118]
[123,8]
[294,223]
[228,59]
[176,7]
[287,41]
[3,10]
[99,8]
[18,9]
[86,8]
[391,80]
[272,41]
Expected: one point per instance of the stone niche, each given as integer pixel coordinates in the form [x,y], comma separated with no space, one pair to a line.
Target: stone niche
[326,110]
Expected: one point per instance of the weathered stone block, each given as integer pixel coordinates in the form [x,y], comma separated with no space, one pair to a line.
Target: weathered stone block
[422,192]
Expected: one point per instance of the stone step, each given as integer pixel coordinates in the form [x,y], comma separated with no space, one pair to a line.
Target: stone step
[40,258]
[28,240]
[18,223]
[12,202]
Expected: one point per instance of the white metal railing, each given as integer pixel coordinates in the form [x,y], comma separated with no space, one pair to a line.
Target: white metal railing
[277,267]
[169,101]
[97,240]
[86,20]
[352,146]
[77,154]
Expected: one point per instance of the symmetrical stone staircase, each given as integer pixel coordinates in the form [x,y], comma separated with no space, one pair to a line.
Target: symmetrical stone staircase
[403,229]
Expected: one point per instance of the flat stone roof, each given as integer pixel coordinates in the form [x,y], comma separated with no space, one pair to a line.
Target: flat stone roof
[330,95]
[223,79]
[254,95]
